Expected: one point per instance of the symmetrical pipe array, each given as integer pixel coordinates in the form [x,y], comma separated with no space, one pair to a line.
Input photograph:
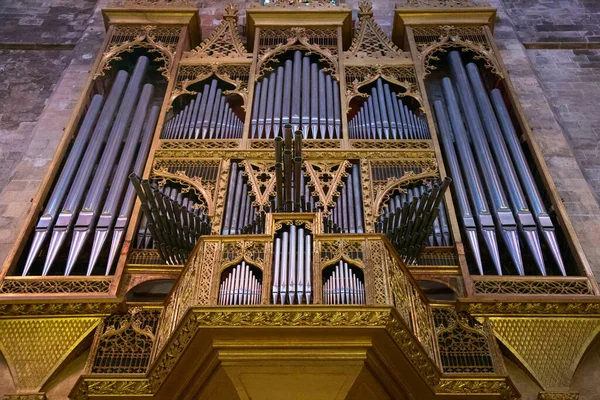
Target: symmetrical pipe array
[171,219]
[240,215]
[314,108]
[441,233]
[343,286]
[489,138]
[289,177]
[207,116]
[129,117]
[292,279]
[384,116]
[410,225]
[241,287]
[347,214]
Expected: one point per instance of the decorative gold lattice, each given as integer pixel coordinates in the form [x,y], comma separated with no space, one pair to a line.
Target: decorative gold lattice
[261,177]
[325,178]
[35,347]
[10,285]
[242,250]
[224,41]
[125,39]
[369,40]
[349,250]
[463,344]
[532,286]
[433,40]
[274,42]
[125,343]
[550,348]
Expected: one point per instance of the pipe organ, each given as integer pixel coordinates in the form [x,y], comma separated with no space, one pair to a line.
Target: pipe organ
[302,193]
[384,116]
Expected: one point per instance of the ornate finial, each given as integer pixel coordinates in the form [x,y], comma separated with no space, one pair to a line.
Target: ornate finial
[224,41]
[369,40]
[365,8]
[441,4]
[231,11]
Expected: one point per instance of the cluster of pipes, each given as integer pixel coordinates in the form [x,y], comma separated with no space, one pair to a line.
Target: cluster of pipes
[384,116]
[241,287]
[489,151]
[208,116]
[397,204]
[171,222]
[343,286]
[411,224]
[289,177]
[292,280]
[314,108]
[241,215]
[347,214]
[128,114]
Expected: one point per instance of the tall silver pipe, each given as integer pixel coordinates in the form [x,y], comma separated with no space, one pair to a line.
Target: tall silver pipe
[329,105]
[230,198]
[46,221]
[283,280]
[293,255]
[278,102]
[337,119]
[297,86]
[379,129]
[108,218]
[300,265]
[214,115]
[77,189]
[255,109]
[287,92]
[382,109]
[192,126]
[519,205]
[314,105]
[539,211]
[498,198]
[220,133]
[322,106]
[462,199]
[262,109]
[307,266]
[276,270]
[201,110]
[209,108]
[86,219]
[270,105]
[483,214]
[389,103]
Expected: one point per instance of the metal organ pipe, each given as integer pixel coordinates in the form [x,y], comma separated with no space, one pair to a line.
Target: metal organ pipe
[315,110]
[347,214]
[384,116]
[241,287]
[343,286]
[209,116]
[292,280]
[539,211]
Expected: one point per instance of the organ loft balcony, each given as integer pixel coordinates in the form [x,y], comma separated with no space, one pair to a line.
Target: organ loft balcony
[346,320]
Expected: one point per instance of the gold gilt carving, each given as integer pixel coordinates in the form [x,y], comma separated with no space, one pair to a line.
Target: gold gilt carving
[224,42]
[243,250]
[234,74]
[358,76]
[440,4]
[379,260]
[76,308]
[150,3]
[210,257]
[550,348]
[501,386]
[558,396]
[125,342]
[365,177]
[532,286]
[159,40]
[302,4]
[383,189]
[184,145]
[32,396]
[261,176]
[298,39]
[281,222]
[463,344]
[324,179]
[532,308]
[369,40]
[392,144]
[349,250]
[446,37]
[182,171]
[220,198]
[35,347]
[43,285]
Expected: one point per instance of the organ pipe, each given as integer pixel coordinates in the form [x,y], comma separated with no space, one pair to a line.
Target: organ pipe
[384,116]
[314,109]
[292,261]
[207,116]
[343,286]
[242,286]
